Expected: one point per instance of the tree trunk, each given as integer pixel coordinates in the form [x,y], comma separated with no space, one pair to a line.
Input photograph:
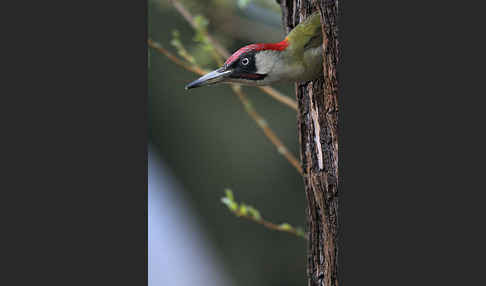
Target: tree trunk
[318,137]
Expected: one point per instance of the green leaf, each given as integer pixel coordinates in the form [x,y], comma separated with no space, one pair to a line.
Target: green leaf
[201,22]
[229,201]
[285,226]
[229,194]
[254,213]
[176,43]
[233,206]
[243,209]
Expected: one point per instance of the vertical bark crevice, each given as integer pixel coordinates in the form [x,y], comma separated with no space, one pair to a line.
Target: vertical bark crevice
[318,137]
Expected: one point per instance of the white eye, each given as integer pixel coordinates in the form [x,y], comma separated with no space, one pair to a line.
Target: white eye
[245,61]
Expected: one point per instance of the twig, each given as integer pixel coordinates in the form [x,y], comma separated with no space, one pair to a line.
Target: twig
[250,213]
[187,66]
[224,52]
[273,226]
[280,97]
[220,51]
[267,130]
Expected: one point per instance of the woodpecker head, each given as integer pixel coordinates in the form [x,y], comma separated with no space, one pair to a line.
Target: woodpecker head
[297,58]
[251,65]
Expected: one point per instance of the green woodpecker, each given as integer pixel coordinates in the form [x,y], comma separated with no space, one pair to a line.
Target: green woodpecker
[297,58]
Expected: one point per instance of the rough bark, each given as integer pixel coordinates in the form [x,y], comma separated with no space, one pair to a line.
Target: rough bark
[318,137]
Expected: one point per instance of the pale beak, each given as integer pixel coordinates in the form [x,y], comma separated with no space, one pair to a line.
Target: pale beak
[213,77]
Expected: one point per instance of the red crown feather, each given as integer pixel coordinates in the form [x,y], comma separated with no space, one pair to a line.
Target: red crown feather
[280,46]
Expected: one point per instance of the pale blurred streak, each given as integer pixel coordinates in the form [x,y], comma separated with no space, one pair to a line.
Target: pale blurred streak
[178,252]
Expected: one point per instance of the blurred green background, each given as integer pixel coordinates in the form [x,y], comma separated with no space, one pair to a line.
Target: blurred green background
[209,143]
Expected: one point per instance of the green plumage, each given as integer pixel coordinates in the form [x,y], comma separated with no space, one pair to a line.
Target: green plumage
[306,35]
[303,57]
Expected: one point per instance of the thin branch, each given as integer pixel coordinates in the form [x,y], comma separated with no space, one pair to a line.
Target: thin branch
[277,95]
[220,51]
[267,130]
[225,53]
[273,226]
[250,213]
[176,60]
